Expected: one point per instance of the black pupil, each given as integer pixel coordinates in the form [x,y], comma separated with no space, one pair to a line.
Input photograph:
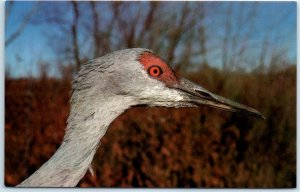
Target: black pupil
[155,71]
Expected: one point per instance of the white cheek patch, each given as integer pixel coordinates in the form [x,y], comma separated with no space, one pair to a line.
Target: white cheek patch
[161,93]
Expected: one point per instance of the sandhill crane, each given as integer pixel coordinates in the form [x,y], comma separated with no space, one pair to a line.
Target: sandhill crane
[102,90]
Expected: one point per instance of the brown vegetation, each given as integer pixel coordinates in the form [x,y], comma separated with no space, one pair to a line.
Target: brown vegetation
[160,147]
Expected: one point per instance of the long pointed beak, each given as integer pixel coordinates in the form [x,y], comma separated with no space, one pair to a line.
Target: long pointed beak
[198,96]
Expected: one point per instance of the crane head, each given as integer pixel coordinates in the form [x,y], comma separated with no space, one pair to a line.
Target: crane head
[148,80]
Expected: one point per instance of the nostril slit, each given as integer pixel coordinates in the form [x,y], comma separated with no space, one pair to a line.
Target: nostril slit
[207,95]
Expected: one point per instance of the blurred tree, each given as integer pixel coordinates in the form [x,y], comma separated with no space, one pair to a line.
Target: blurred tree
[185,33]
[235,39]
[245,42]
[74,29]
[96,30]
[22,25]
[125,26]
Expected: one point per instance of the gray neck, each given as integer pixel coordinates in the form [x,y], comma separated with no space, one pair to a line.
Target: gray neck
[88,121]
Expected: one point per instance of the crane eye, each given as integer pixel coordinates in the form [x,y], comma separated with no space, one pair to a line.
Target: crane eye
[155,71]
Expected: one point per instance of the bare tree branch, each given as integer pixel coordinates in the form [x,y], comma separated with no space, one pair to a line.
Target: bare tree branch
[176,34]
[96,31]
[22,26]
[148,22]
[8,9]
[227,32]
[74,34]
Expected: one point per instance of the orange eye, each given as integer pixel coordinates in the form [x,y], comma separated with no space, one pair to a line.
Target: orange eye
[155,71]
